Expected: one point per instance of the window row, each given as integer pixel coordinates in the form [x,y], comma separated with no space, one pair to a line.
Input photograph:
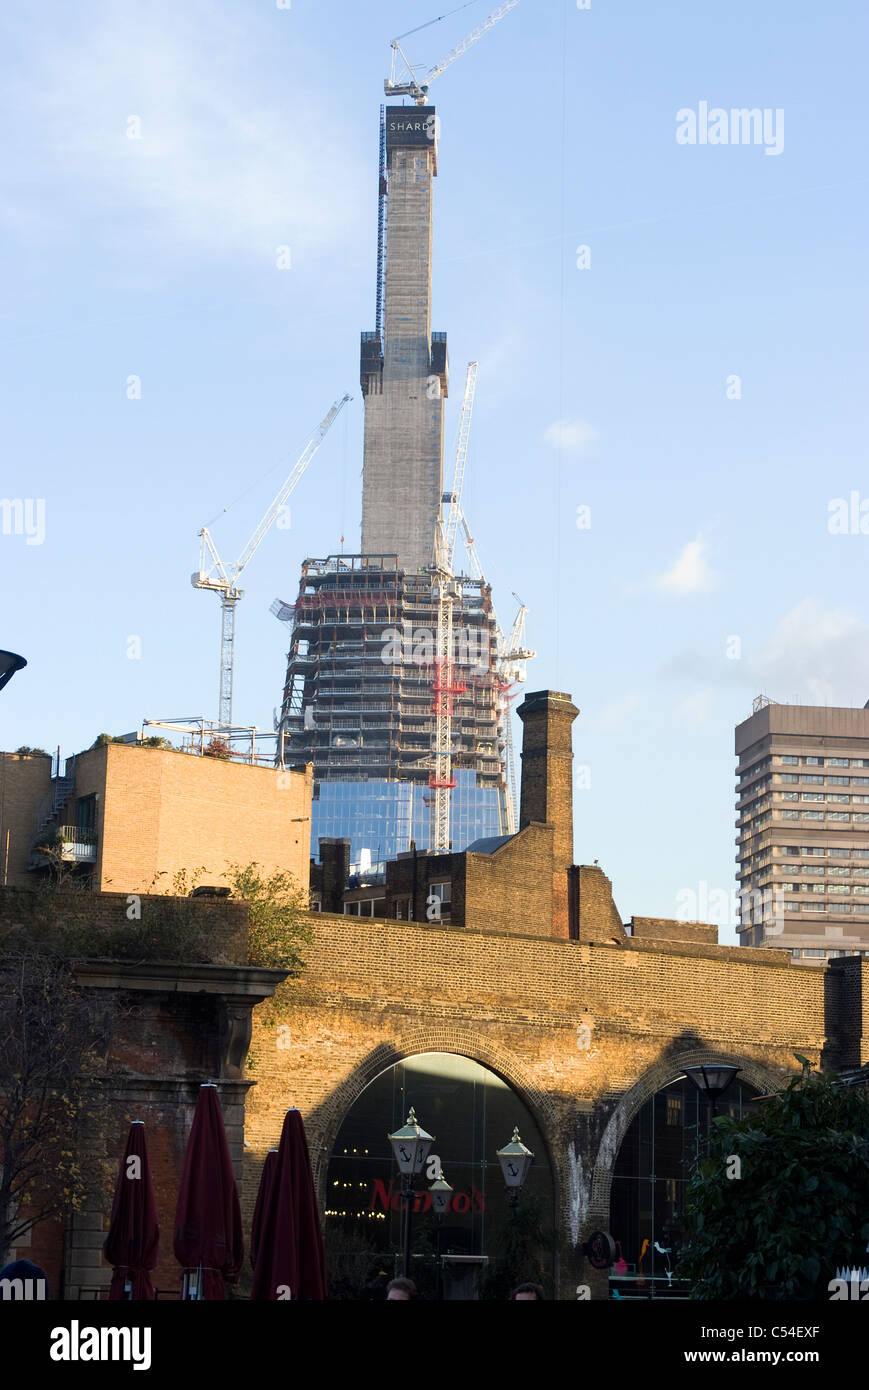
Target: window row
[792,760]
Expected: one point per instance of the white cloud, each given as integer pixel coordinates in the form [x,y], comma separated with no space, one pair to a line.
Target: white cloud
[615,717]
[575,436]
[694,710]
[690,572]
[224,167]
[816,654]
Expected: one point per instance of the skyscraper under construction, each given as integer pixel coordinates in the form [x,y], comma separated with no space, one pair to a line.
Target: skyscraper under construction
[391,654]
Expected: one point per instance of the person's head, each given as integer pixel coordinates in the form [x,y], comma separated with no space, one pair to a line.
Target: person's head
[401,1288]
[527,1293]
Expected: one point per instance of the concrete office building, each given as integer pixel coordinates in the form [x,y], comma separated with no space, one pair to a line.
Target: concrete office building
[803,821]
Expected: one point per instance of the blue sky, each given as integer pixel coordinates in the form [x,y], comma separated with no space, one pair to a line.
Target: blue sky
[604,387]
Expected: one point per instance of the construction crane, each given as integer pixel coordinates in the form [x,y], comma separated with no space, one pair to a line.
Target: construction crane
[223,580]
[419,90]
[453,499]
[444,687]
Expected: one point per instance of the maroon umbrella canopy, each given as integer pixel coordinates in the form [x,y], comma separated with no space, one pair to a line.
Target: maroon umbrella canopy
[290,1262]
[208,1235]
[262,1198]
[131,1244]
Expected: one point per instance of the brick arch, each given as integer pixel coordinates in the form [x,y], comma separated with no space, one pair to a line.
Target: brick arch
[463,1042]
[762,1077]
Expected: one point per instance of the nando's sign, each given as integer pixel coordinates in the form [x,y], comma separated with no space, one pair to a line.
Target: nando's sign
[387,1197]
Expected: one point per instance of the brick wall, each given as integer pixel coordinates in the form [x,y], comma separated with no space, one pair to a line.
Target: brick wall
[160,811]
[374,992]
[25,782]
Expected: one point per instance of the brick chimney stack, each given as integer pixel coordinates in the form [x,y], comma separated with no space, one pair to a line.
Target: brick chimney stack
[547,773]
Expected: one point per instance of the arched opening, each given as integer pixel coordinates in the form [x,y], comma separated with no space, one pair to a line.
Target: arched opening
[471,1111]
[650,1175]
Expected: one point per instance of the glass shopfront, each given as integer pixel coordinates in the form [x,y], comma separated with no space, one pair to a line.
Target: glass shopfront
[655,1162]
[472,1113]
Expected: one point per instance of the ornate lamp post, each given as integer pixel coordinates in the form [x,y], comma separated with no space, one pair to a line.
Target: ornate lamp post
[515,1160]
[410,1146]
[10,662]
[440,1192]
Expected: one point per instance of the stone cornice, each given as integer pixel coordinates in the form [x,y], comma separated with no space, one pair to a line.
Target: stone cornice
[247,982]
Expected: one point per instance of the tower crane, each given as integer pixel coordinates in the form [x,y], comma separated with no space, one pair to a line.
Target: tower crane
[410,87]
[444,687]
[223,580]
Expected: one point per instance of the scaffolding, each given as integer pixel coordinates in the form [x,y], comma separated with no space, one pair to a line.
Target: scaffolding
[365,656]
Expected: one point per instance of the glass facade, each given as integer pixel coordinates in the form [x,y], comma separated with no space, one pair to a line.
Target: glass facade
[657,1157]
[471,1112]
[383,817]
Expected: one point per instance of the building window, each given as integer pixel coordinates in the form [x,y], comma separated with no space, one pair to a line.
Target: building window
[838,762]
[861,816]
[838,815]
[838,907]
[789,815]
[840,853]
[838,870]
[838,888]
[811,815]
[813,849]
[837,796]
[814,952]
[812,796]
[814,762]
[442,891]
[316,902]
[792,796]
[86,813]
[788,777]
[810,777]
[402,910]
[838,781]
[789,759]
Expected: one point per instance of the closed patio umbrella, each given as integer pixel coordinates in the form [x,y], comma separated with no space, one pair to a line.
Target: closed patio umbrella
[208,1240]
[290,1260]
[266,1179]
[134,1235]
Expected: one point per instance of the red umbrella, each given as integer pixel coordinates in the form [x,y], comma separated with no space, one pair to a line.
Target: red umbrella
[131,1244]
[266,1178]
[290,1261]
[208,1237]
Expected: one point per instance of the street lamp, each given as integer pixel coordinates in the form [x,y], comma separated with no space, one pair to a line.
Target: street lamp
[10,662]
[515,1160]
[712,1082]
[440,1193]
[410,1146]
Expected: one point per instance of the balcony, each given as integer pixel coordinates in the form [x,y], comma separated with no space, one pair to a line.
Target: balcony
[68,843]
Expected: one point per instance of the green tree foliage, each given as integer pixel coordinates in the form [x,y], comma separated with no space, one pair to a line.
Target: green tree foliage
[53,1036]
[800,1208]
[520,1249]
[280,924]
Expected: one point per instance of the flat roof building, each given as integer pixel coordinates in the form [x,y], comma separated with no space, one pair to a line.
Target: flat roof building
[127,818]
[803,829]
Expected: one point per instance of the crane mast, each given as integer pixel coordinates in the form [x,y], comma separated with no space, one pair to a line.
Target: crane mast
[214,575]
